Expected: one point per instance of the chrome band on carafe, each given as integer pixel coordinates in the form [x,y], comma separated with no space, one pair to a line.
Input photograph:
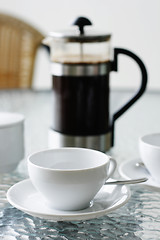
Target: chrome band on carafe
[100,142]
[59,69]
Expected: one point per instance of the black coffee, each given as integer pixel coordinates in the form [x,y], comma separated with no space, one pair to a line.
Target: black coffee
[81,104]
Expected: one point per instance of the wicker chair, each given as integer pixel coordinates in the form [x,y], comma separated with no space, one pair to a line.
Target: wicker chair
[18,44]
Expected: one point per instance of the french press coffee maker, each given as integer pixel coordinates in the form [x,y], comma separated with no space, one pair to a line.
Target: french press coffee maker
[81,63]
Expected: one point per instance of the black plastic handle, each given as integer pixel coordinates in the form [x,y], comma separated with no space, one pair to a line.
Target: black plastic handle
[143,81]
[114,67]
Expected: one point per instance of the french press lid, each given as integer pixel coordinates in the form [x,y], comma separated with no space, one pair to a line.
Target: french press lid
[79,33]
[81,45]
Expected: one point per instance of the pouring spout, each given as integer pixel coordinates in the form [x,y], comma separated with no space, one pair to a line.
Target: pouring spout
[47,41]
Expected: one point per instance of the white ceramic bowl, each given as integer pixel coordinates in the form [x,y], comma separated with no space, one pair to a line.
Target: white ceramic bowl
[11,140]
[69,178]
[149,146]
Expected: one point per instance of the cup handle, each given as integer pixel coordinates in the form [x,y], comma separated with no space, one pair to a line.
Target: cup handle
[112,166]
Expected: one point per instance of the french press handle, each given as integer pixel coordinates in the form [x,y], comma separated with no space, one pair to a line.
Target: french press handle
[143,80]
[142,88]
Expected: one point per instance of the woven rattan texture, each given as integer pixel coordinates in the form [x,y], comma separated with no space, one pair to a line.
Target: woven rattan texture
[19,42]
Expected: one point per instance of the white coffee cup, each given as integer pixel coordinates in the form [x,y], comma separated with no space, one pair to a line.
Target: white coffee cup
[69,178]
[149,146]
[11,140]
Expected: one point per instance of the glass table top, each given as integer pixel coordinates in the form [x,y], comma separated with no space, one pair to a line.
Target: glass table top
[138,219]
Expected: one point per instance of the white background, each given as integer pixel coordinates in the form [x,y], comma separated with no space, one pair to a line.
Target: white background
[134,24]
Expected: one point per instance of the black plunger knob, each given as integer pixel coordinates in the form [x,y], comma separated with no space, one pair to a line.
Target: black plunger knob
[81,22]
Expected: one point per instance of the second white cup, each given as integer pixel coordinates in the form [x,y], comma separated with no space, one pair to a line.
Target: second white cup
[149,146]
[11,140]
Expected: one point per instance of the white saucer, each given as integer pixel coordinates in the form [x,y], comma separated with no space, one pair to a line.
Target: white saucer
[129,170]
[24,196]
